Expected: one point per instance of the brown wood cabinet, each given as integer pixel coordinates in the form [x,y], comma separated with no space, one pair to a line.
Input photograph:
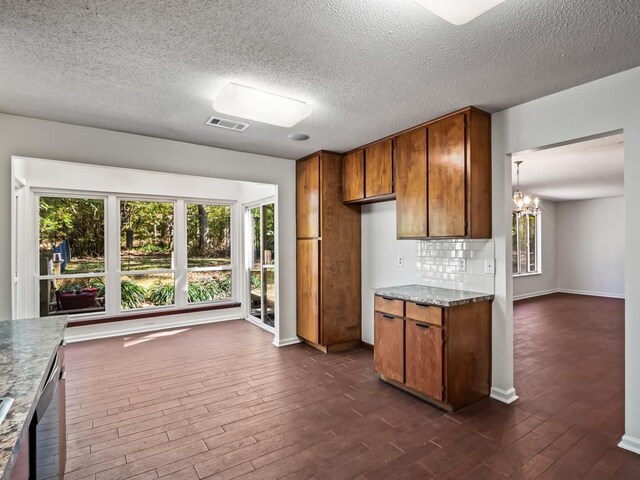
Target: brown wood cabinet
[389,341]
[328,256]
[368,174]
[446,351]
[443,178]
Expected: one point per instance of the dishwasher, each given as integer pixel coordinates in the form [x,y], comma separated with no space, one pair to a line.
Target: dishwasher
[47,432]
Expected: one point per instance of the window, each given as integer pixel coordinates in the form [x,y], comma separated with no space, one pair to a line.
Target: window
[147,264]
[71,266]
[209,268]
[525,237]
[150,253]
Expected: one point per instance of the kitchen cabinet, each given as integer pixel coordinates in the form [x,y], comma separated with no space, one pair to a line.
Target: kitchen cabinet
[328,256]
[379,169]
[389,341]
[353,176]
[411,184]
[443,178]
[441,354]
[368,174]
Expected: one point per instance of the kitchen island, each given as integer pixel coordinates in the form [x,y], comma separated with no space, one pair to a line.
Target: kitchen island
[29,356]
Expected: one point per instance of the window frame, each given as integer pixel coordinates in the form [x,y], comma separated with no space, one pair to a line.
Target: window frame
[230,267]
[538,246]
[37,194]
[113,271]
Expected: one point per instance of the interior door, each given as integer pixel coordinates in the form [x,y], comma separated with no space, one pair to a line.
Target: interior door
[424,368]
[446,177]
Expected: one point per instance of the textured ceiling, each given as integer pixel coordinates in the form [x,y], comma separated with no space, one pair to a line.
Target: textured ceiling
[579,171]
[369,67]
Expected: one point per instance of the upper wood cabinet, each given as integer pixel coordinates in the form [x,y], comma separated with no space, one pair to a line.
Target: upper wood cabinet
[328,256]
[353,176]
[446,172]
[379,169]
[443,178]
[308,197]
[368,174]
[411,184]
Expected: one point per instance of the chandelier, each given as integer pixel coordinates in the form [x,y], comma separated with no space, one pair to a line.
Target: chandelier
[524,204]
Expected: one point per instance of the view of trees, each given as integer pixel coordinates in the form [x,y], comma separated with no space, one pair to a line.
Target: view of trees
[75,228]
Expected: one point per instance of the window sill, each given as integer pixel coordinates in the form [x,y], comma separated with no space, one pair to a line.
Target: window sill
[153,313]
[520,275]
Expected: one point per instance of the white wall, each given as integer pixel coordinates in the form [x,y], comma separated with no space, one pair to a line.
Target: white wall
[547,281]
[605,105]
[591,247]
[43,139]
[379,251]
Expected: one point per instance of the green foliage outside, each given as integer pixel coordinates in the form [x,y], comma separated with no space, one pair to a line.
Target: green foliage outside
[147,242]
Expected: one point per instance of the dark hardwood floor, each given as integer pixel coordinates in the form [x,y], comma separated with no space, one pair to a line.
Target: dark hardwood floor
[219,401]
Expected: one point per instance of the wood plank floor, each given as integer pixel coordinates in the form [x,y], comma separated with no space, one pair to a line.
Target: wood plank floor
[220,402]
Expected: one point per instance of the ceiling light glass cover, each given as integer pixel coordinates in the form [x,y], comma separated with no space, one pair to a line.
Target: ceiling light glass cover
[459,12]
[265,107]
[524,204]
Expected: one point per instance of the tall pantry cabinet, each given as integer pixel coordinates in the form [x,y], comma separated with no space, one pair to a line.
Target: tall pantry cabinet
[327,255]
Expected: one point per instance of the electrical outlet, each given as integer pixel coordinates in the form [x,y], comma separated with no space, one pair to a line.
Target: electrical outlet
[400,261]
[490,266]
[462,264]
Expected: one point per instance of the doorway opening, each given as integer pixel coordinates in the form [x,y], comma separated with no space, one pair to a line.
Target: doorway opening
[568,268]
[261,262]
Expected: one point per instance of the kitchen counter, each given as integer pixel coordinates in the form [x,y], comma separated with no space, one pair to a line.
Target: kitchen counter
[27,350]
[442,297]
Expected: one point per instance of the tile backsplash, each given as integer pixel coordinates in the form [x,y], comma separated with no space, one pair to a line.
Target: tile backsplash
[458,264]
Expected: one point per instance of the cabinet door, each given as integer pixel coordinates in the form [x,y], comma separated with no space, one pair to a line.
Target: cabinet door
[411,184]
[424,368]
[379,169]
[308,197]
[308,289]
[388,353]
[446,175]
[353,176]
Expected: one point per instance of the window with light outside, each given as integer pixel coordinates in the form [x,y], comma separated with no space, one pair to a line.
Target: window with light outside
[525,236]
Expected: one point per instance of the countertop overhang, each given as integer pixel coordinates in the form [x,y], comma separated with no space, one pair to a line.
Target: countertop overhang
[27,351]
[441,297]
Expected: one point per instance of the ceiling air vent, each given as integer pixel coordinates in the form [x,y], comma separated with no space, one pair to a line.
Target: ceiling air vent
[227,124]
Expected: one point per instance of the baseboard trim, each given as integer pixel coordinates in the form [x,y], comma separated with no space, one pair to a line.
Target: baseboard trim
[534,294]
[591,294]
[505,396]
[143,328]
[630,443]
[285,342]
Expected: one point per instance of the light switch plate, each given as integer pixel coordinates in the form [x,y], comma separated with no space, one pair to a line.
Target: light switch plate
[490,266]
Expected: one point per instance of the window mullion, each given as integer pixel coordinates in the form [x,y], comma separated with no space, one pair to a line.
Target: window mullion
[112,252]
[180,252]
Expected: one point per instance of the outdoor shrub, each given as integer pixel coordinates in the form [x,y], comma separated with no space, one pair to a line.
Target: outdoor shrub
[131,295]
[162,294]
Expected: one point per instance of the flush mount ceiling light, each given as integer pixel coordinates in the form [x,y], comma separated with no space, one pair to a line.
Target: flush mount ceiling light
[265,107]
[459,12]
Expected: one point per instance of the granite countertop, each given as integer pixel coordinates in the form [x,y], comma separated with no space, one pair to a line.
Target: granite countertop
[27,349]
[442,297]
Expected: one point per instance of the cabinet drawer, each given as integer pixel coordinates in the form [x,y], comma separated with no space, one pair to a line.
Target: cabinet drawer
[425,313]
[389,305]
